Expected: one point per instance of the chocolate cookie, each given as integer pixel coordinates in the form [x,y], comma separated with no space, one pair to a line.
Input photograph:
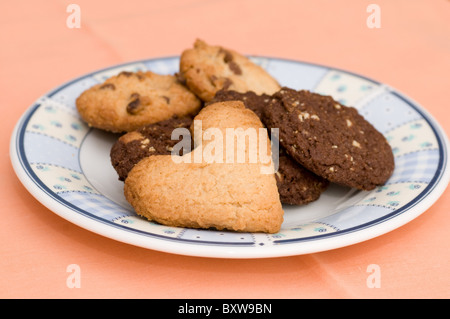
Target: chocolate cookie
[208,194]
[296,184]
[207,69]
[153,139]
[127,101]
[332,140]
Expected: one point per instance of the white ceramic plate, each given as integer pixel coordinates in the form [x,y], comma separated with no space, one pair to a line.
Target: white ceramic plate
[66,166]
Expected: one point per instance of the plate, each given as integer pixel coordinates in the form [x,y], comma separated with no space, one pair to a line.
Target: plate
[65,164]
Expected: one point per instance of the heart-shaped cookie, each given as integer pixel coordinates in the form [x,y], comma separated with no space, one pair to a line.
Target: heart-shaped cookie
[208,188]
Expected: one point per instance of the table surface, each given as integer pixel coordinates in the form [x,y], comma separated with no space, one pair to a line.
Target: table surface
[410,51]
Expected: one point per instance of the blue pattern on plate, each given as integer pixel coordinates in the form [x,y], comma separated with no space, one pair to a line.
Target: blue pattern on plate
[387,111]
[415,167]
[213,236]
[355,216]
[67,95]
[96,205]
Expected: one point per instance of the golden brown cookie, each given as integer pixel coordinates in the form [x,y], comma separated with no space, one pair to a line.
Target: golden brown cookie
[202,194]
[207,69]
[130,100]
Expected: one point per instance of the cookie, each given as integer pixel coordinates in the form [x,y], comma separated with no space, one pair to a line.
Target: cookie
[180,191]
[127,101]
[296,184]
[152,139]
[332,140]
[207,69]
[251,100]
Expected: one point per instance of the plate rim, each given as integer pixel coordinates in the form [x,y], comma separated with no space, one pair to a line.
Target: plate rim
[347,237]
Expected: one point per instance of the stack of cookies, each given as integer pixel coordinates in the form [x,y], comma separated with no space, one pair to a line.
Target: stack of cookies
[320,141]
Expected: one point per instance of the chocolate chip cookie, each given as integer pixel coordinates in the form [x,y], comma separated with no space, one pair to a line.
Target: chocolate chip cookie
[207,69]
[332,140]
[129,100]
[152,139]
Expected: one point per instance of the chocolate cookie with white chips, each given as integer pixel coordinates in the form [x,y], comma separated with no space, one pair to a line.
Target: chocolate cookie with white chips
[330,139]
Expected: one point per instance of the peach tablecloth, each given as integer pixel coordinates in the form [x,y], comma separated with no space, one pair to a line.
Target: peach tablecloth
[410,52]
